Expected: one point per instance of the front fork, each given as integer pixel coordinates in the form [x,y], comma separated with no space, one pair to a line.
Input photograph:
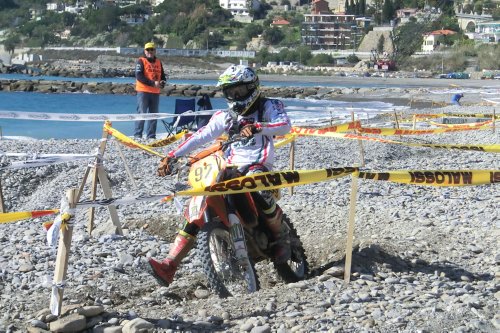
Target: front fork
[238,238]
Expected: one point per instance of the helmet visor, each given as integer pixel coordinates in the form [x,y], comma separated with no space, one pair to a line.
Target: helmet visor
[238,92]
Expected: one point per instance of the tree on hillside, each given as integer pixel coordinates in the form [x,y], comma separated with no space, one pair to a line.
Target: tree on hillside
[103,19]
[380,44]
[387,11]
[407,39]
[347,7]
[8,4]
[11,42]
[362,5]
[445,22]
[273,35]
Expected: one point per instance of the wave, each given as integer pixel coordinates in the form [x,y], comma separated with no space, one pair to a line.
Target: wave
[18,138]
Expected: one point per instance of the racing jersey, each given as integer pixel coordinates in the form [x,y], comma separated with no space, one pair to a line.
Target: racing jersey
[257,150]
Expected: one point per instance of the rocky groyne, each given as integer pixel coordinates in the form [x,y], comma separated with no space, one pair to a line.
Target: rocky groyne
[187,90]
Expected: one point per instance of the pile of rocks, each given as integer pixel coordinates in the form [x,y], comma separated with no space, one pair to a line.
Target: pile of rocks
[426,259]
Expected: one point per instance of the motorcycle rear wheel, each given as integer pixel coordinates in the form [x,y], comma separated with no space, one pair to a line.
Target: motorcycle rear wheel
[226,276]
[297,267]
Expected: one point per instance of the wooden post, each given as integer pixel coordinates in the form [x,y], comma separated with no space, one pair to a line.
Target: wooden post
[93,196]
[396,121]
[414,121]
[82,184]
[93,191]
[2,207]
[292,160]
[493,118]
[360,143]
[99,176]
[106,189]
[350,228]
[127,169]
[63,251]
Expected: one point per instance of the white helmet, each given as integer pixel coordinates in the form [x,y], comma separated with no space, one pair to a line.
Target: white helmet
[240,86]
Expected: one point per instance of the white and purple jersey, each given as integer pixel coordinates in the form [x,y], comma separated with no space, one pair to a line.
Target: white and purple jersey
[258,150]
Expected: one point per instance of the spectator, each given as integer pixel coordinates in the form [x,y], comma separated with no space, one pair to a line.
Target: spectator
[455,100]
[150,78]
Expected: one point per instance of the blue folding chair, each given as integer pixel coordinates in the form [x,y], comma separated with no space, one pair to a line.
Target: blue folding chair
[176,124]
[203,104]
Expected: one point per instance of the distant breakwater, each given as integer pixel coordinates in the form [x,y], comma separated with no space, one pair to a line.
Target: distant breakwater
[186,90]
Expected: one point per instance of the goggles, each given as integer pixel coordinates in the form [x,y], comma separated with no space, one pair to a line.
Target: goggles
[239,92]
[150,50]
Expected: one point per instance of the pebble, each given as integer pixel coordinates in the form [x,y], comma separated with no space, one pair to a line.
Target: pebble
[418,272]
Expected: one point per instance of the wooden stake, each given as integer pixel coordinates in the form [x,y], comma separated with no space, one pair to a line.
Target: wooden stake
[360,143]
[84,181]
[350,228]
[106,189]
[396,121]
[93,196]
[292,160]
[63,252]
[129,173]
[2,207]
[414,121]
[493,118]
[99,176]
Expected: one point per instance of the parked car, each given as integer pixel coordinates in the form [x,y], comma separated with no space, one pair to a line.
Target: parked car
[458,75]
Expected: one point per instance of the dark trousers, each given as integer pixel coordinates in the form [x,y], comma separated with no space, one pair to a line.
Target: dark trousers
[147,103]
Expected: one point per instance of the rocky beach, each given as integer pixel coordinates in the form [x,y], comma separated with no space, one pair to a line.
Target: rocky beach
[425,259]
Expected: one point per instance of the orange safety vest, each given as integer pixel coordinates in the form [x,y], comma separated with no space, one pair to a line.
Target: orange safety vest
[152,71]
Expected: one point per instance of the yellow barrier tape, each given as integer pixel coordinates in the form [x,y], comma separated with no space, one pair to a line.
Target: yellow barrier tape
[267,181]
[128,141]
[395,131]
[436,177]
[287,139]
[336,128]
[168,140]
[17,216]
[458,115]
[494,148]
[466,125]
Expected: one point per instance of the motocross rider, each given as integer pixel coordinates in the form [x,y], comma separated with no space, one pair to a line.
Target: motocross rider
[249,115]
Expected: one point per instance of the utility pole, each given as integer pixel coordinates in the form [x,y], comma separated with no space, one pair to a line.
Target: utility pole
[442,62]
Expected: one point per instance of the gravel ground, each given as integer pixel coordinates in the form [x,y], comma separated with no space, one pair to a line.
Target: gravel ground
[425,259]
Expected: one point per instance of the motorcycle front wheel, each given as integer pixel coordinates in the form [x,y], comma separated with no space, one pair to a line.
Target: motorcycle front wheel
[226,275]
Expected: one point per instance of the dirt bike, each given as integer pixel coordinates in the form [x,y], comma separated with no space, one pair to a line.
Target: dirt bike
[232,239]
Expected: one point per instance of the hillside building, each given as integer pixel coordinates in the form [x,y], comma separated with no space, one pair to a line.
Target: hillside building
[434,39]
[486,32]
[240,8]
[322,30]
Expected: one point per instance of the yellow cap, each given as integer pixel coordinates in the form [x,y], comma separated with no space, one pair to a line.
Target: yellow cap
[150,45]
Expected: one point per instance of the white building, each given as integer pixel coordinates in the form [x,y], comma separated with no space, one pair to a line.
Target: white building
[434,39]
[239,7]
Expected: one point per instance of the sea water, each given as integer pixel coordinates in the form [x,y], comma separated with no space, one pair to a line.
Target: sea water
[301,111]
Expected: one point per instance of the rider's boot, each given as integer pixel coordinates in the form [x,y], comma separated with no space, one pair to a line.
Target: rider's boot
[164,271]
[274,222]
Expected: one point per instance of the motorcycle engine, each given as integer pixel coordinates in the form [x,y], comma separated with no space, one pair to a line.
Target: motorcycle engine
[261,240]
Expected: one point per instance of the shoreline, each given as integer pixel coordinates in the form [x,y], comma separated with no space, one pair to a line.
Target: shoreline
[401,91]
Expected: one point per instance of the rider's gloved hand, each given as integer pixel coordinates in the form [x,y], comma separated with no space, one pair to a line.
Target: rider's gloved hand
[167,166]
[249,130]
